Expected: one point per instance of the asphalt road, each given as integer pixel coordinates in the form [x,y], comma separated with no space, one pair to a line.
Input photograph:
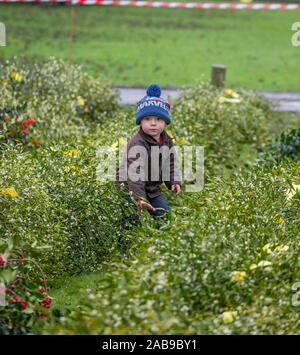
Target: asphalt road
[287,101]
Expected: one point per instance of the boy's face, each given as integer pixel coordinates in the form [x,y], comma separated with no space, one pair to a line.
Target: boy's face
[153,126]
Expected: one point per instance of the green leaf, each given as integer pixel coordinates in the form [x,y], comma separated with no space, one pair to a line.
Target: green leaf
[8,275]
[28,310]
[10,244]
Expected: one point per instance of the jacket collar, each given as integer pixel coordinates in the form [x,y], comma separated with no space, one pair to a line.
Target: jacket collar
[150,139]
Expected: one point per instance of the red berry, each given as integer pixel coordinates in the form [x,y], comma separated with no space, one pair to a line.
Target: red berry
[36,142]
[29,122]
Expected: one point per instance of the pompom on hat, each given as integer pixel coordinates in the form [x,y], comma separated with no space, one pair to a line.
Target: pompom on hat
[153,105]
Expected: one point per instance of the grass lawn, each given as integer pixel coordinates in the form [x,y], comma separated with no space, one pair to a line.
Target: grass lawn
[68,290]
[173,47]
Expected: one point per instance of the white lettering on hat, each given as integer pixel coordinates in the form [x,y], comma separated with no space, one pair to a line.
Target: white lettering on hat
[153,103]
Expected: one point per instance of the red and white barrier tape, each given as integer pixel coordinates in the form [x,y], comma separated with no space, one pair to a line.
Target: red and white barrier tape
[221,6]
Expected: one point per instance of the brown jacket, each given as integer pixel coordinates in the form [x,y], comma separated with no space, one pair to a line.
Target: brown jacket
[143,189]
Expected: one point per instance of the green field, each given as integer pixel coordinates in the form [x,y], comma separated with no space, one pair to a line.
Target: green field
[173,47]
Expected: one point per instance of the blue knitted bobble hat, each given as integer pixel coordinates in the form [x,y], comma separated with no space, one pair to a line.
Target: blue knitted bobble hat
[153,105]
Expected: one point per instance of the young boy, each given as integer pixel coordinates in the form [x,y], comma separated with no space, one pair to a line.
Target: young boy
[144,166]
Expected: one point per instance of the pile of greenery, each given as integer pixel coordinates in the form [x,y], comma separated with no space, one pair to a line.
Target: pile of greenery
[54,214]
[61,97]
[227,263]
[225,122]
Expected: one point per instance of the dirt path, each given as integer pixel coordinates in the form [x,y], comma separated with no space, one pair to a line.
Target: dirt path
[285,101]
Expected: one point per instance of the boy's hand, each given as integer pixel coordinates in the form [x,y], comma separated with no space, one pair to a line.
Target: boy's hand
[146,206]
[177,188]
